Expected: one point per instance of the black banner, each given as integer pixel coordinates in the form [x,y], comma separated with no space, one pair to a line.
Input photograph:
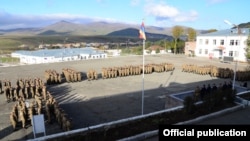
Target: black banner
[200,132]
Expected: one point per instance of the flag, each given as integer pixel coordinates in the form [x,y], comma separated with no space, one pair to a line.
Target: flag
[142,34]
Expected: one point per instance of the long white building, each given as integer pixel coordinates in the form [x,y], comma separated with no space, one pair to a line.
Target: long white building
[58,55]
[223,43]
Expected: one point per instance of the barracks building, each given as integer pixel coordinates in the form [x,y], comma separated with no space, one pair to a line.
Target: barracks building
[224,43]
[58,55]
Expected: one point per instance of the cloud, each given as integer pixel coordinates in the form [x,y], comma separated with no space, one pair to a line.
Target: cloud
[188,16]
[163,12]
[9,21]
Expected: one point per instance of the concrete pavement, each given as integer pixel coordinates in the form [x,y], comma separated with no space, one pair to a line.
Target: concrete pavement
[94,102]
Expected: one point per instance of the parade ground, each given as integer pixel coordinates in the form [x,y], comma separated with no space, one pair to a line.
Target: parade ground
[99,101]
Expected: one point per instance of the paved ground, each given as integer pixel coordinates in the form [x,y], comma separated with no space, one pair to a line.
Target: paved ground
[94,102]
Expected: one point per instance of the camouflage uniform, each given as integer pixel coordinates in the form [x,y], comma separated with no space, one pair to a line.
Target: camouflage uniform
[13,120]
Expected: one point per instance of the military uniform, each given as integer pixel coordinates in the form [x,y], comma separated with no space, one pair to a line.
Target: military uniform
[13,120]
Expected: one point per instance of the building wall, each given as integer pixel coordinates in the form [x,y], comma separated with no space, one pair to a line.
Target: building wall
[28,58]
[210,46]
[190,47]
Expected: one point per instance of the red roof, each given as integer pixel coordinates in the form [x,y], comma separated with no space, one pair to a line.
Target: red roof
[155,47]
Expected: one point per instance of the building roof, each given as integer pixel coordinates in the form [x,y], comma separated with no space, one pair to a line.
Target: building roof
[228,32]
[155,47]
[65,52]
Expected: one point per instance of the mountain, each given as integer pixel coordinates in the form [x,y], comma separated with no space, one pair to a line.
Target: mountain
[65,28]
[95,28]
[20,31]
[89,29]
[244,25]
[133,32]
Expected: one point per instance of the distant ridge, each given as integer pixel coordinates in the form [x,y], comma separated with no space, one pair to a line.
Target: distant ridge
[95,29]
[132,32]
[88,29]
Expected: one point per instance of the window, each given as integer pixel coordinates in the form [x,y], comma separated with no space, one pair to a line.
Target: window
[200,41]
[206,42]
[200,51]
[214,42]
[221,42]
[230,53]
[206,51]
[231,42]
[236,42]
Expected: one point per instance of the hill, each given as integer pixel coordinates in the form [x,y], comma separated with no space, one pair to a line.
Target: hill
[132,32]
[244,25]
[95,29]
[91,29]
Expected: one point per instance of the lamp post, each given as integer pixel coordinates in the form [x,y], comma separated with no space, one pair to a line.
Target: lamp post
[236,62]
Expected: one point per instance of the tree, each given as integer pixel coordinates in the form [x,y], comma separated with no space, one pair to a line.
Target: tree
[157,50]
[248,52]
[248,48]
[177,31]
[180,46]
[191,34]
[148,44]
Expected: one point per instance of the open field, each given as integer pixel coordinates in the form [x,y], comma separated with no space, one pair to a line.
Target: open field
[104,100]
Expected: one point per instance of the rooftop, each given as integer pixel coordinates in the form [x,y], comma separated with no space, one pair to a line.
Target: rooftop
[228,32]
[59,52]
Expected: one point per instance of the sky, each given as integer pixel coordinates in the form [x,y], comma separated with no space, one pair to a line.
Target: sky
[197,14]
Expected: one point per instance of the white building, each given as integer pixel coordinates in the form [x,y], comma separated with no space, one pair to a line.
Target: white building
[58,55]
[224,43]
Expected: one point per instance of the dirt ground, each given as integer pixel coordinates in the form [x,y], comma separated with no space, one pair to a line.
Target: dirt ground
[98,101]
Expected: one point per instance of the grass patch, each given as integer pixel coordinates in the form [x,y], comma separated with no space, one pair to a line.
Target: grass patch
[9,60]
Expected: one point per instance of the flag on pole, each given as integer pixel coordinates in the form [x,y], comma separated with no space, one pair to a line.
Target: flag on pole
[142,34]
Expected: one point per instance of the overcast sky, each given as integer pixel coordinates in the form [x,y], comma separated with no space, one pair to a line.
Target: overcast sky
[198,14]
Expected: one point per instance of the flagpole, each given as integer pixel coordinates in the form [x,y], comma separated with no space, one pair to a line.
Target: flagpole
[142,35]
[142,105]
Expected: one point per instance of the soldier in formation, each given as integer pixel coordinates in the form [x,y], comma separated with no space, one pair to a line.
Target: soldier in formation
[207,90]
[71,75]
[214,71]
[13,120]
[127,70]
[197,93]
[52,77]
[92,75]
[24,88]
[1,87]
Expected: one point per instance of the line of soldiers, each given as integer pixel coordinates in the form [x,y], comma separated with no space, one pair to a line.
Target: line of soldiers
[55,113]
[52,77]
[113,72]
[202,70]
[25,88]
[71,75]
[243,75]
[162,67]
[208,70]
[201,92]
